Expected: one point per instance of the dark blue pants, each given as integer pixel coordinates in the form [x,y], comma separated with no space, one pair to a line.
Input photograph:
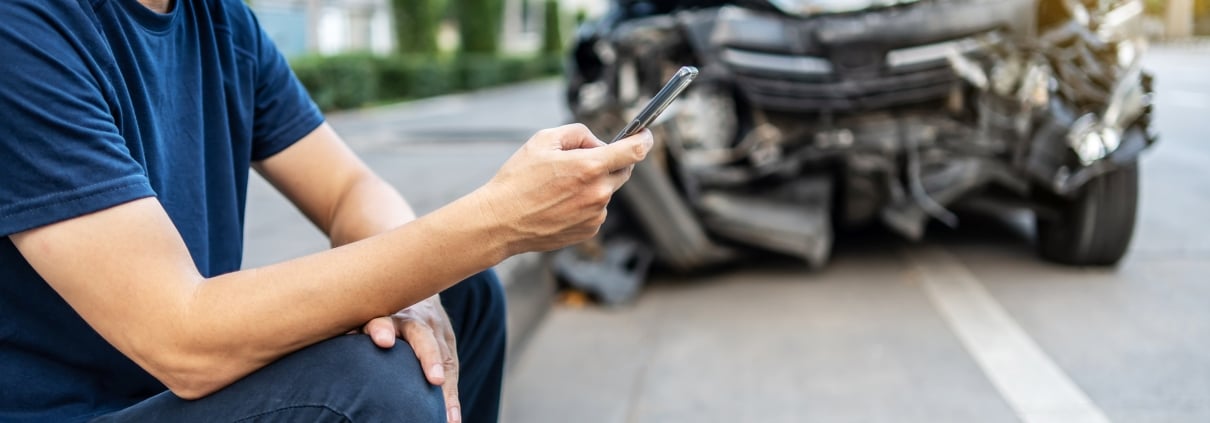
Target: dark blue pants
[348,379]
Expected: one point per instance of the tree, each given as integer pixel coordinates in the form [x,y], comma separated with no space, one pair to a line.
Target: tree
[416,25]
[552,29]
[479,25]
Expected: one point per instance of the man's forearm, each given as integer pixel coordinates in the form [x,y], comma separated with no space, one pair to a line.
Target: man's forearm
[128,273]
[334,291]
[368,207]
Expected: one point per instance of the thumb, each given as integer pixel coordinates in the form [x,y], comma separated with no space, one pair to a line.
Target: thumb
[381,331]
[569,137]
[625,152]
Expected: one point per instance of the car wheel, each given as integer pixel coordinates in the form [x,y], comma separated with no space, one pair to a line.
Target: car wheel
[1095,228]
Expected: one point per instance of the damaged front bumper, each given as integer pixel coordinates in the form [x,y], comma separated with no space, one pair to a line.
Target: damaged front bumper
[852,62]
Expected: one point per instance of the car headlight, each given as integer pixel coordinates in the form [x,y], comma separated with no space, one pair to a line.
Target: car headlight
[813,7]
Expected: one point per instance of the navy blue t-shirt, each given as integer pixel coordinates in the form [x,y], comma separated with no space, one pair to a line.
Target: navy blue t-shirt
[103,102]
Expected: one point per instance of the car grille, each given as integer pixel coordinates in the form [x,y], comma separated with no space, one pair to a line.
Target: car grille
[853,80]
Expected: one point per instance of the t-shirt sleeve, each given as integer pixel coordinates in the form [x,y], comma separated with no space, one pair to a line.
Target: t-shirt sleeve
[284,111]
[61,154]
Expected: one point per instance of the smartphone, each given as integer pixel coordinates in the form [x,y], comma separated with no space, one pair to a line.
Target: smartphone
[662,99]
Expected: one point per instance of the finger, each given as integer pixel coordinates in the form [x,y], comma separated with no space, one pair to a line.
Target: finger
[428,350]
[453,404]
[625,152]
[381,331]
[619,177]
[450,339]
[570,137]
[592,142]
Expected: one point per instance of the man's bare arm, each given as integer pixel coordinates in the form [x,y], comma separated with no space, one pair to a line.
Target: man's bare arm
[128,273]
[335,189]
[349,202]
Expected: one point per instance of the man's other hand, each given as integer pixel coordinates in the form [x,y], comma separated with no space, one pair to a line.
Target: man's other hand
[425,327]
[553,191]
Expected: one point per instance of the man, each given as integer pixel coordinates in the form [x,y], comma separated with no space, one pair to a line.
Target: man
[127,129]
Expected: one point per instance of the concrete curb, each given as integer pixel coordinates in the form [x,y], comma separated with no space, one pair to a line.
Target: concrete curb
[530,287]
[431,102]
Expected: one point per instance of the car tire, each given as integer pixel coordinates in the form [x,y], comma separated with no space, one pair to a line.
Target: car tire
[1096,227]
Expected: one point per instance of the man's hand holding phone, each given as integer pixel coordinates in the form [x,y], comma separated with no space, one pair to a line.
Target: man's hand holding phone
[553,191]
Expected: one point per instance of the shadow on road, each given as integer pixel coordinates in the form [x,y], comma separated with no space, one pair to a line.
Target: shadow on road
[1009,235]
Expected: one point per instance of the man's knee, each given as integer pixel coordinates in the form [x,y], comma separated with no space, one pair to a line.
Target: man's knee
[367,383]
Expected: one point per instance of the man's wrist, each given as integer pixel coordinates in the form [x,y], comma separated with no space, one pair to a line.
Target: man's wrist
[498,230]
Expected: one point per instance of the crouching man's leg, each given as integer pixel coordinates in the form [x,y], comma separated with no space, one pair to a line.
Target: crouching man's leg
[348,378]
[343,379]
[476,308]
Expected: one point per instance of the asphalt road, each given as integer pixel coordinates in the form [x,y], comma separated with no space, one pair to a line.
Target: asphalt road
[967,326]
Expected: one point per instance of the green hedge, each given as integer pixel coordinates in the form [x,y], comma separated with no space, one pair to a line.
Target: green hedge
[353,80]
[338,82]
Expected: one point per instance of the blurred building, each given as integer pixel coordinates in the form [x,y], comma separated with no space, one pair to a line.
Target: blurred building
[523,20]
[326,26]
[335,26]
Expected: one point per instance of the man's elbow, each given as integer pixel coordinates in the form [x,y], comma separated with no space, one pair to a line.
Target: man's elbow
[191,373]
[190,389]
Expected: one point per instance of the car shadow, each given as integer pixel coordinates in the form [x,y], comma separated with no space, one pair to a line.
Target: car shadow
[1009,234]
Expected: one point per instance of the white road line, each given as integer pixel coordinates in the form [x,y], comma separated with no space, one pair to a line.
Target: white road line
[1032,384]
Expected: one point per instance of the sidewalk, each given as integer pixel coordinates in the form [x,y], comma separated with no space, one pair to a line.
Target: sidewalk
[505,114]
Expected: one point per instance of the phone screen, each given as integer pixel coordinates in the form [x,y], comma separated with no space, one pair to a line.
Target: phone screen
[662,99]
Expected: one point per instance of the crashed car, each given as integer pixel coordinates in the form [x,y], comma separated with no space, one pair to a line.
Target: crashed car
[810,115]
